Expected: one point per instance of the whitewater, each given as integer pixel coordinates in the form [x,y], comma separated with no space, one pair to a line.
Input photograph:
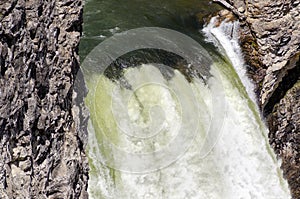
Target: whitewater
[229,156]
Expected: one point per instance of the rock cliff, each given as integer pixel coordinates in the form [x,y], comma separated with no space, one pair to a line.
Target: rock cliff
[42,130]
[270,38]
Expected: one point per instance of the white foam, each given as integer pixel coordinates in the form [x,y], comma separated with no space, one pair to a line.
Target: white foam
[226,38]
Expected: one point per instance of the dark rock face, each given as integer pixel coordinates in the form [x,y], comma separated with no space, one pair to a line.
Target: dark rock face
[42,132]
[285,136]
[270,38]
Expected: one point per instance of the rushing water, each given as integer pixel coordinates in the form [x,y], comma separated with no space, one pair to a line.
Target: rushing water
[140,116]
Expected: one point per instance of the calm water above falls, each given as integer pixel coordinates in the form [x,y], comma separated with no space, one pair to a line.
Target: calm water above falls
[239,165]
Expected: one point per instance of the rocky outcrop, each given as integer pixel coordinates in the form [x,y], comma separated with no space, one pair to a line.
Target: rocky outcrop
[42,130]
[285,136]
[270,38]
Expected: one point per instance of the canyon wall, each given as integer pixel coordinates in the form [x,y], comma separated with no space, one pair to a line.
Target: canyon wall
[270,38]
[42,131]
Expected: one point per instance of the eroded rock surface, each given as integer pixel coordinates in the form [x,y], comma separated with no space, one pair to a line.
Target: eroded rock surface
[270,37]
[285,136]
[42,131]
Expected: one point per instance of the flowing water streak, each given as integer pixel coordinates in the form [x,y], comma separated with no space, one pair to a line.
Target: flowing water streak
[225,37]
[241,165]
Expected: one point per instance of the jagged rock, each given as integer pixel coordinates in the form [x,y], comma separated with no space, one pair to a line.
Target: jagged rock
[42,131]
[284,135]
[270,38]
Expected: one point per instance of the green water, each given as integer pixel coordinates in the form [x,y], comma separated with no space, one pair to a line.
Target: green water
[103,18]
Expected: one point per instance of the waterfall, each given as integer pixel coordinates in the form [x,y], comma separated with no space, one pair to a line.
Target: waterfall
[241,163]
